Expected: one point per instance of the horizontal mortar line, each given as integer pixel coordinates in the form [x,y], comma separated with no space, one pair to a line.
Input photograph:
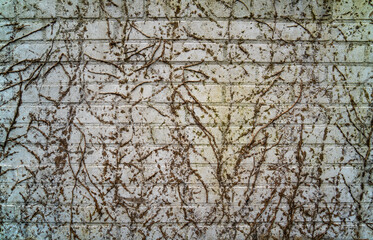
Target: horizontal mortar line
[176,205]
[115,151]
[202,81]
[365,63]
[225,62]
[200,77]
[123,19]
[168,121]
[326,19]
[233,127]
[146,166]
[190,81]
[192,40]
[167,125]
[202,145]
[326,85]
[228,19]
[165,104]
[208,162]
[243,186]
[165,163]
[198,63]
[182,124]
[193,20]
[179,103]
[186,124]
[322,86]
[212,161]
[152,145]
[195,81]
[73,18]
[187,226]
[210,203]
[150,104]
[178,223]
[200,204]
[281,19]
[237,185]
[196,205]
[326,166]
[124,183]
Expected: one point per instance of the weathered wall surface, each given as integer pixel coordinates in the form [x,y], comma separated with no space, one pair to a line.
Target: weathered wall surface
[189,119]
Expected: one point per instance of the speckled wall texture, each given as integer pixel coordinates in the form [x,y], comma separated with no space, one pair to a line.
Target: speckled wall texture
[186,119]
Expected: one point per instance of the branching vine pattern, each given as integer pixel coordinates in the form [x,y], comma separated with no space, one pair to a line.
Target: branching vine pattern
[189,119]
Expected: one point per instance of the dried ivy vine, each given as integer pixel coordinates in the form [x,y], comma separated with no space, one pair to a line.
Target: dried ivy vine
[124,135]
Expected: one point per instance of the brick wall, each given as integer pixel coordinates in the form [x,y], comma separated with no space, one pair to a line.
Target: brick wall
[189,119]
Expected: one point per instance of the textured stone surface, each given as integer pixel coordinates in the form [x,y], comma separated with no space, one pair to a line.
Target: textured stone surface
[191,119]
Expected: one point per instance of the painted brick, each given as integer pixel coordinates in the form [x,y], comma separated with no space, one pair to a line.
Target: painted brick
[99,73]
[52,93]
[349,9]
[304,9]
[34,51]
[192,93]
[293,73]
[48,113]
[157,30]
[127,52]
[346,115]
[272,135]
[117,9]
[207,30]
[350,74]
[249,52]
[138,73]
[78,8]
[118,93]
[5,30]
[196,52]
[6,53]
[250,30]
[181,8]
[265,94]
[23,28]
[297,53]
[264,30]
[293,31]
[149,119]
[222,73]
[333,135]
[10,213]
[199,136]
[257,9]
[7,9]
[99,30]
[36,9]
[369,51]
[64,29]
[347,31]
[341,53]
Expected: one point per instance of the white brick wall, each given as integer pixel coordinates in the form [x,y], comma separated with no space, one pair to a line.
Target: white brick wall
[155,119]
